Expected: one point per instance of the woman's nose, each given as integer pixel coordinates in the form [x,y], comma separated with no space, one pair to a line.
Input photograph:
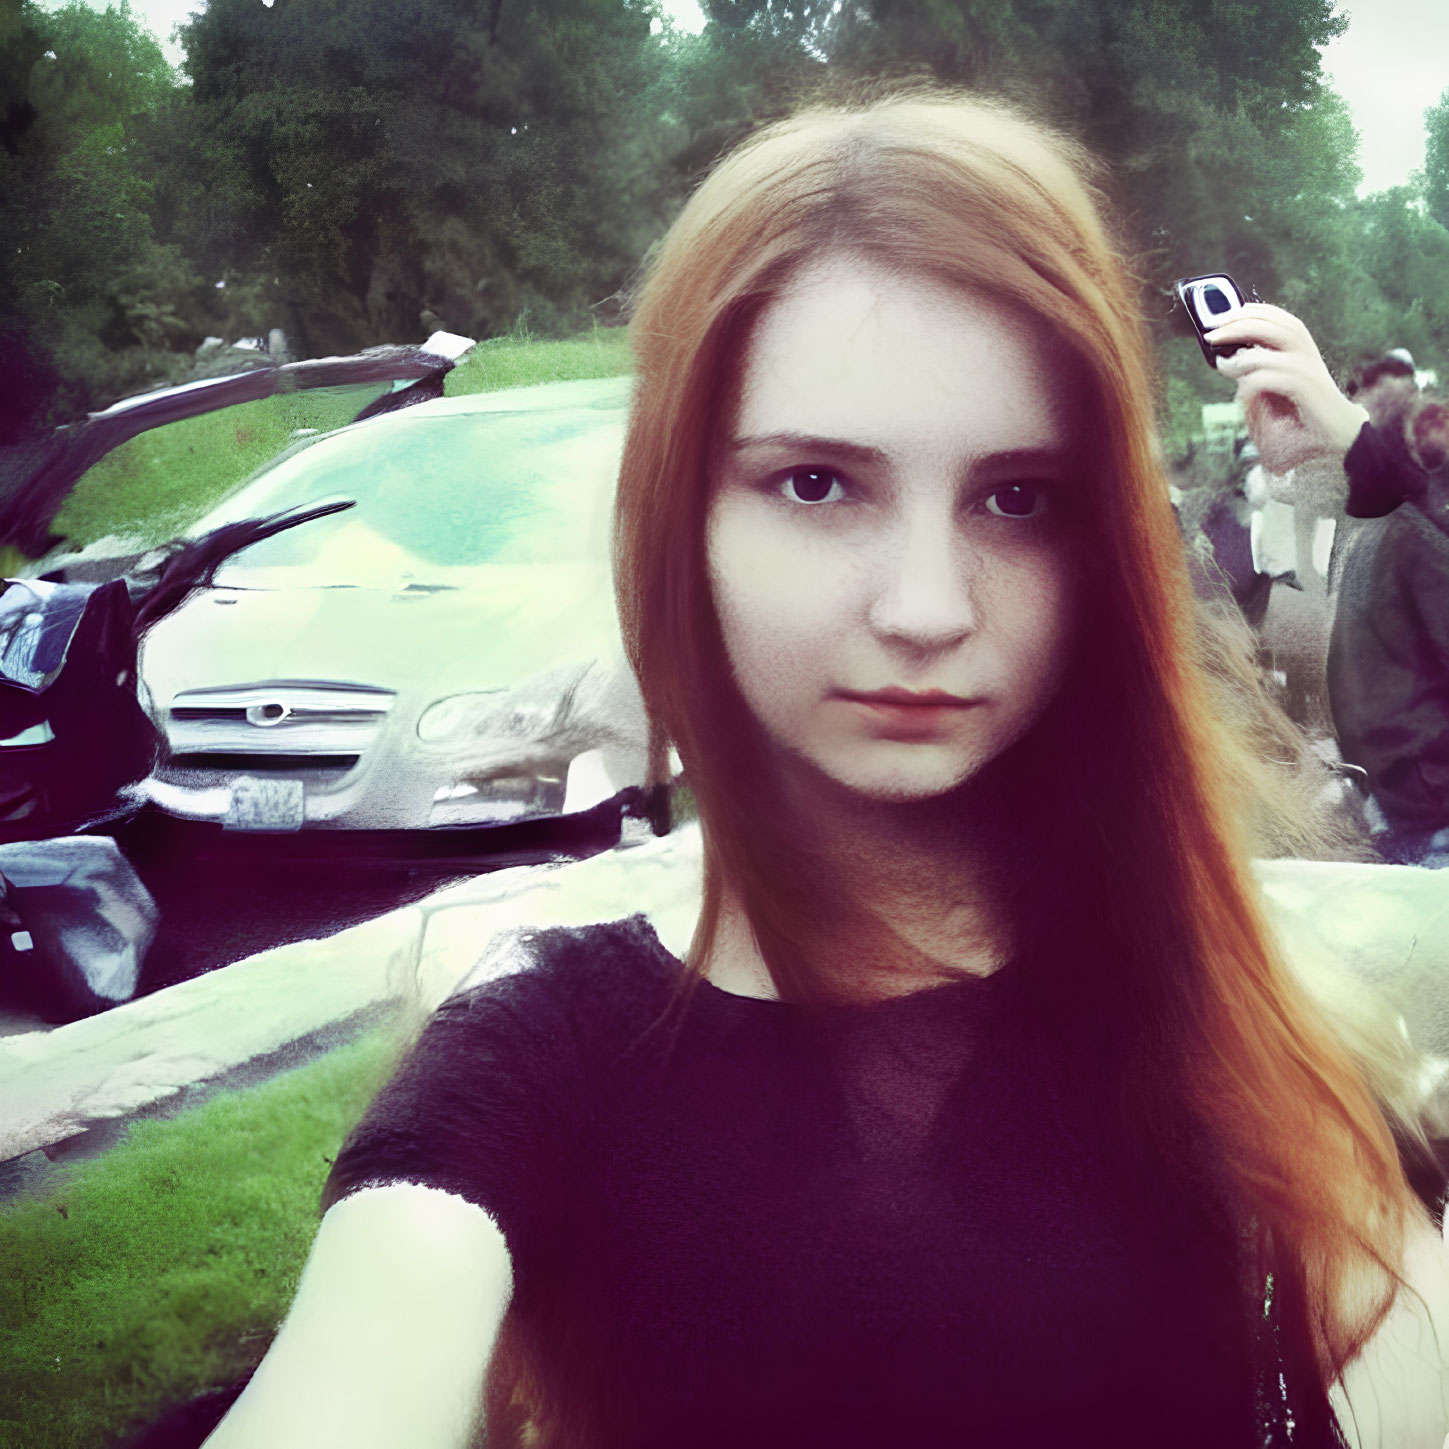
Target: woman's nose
[923,585]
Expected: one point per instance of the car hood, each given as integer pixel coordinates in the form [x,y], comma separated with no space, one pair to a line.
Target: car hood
[489,628]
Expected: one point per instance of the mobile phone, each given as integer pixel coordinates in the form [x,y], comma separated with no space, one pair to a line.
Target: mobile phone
[1208,300]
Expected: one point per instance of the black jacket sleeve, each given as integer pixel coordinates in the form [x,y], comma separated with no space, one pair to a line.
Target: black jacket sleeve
[1381,474]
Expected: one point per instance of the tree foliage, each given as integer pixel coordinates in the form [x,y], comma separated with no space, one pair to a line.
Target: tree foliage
[88,299]
[1222,145]
[381,167]
[1436,160]
[364,171]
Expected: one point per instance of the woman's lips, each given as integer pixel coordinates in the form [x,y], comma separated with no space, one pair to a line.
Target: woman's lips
[905,714]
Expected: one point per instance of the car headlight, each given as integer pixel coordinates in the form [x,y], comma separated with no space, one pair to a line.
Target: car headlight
[456,714]
[533,711]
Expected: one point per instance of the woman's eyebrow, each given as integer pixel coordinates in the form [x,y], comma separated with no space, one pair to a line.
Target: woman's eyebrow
[1046,456]
[1013,459]
[807,443]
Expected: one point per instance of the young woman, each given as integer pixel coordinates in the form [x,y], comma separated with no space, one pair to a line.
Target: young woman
[983,1111]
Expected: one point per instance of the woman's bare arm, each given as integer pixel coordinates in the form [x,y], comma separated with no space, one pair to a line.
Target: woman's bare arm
[1395,1394]
[388,1339]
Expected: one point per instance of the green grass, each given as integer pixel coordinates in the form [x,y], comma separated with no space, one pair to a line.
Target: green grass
[520,361]
[154,486]
[161,1269]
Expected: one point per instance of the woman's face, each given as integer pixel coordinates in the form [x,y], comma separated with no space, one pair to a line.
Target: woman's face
[888,535]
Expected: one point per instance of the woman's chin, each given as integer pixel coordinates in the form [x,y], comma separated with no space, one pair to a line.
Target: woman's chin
[907,778]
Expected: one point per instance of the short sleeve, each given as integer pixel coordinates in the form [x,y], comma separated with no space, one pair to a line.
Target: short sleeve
[486,1103]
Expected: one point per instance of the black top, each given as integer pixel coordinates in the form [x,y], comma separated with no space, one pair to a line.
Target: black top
[757,1224]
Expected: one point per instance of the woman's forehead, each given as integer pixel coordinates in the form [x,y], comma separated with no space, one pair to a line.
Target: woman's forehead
[852,351]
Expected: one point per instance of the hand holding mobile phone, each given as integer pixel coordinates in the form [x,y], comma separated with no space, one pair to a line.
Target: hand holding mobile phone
[1209,300]
[1291,405]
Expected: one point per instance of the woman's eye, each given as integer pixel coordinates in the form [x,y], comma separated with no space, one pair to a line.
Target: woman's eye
[811,485]
[1017,500]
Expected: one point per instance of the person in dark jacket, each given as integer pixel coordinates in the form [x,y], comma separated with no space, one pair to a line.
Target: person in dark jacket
[1383,471]
[1388,654]
[1388,660]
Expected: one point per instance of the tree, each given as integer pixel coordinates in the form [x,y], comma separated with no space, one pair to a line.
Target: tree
[1223,147]
[81,275]
[753,60]
[364,171]
[1404,252]
[401,164]
[1436,160]
[1205,113]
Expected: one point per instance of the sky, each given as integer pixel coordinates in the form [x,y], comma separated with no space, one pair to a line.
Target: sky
[1390,66]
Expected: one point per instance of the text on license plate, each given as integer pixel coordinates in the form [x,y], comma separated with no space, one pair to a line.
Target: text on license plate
[265,804]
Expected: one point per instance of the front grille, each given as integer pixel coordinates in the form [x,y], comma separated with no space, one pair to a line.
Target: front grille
[261,764]
[204,712]
[287,718]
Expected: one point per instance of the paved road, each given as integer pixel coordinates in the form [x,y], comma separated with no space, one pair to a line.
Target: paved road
[223,896]
[213,915]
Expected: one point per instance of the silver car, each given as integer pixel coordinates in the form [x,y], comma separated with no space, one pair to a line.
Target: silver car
[445,652]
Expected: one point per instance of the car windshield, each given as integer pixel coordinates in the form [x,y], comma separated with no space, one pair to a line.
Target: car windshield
[434,494]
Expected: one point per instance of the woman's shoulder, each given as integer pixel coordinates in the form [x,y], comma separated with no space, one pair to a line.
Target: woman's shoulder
[620,966]
[488,1100]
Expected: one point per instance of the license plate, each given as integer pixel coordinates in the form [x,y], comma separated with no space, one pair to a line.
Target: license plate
[265,805]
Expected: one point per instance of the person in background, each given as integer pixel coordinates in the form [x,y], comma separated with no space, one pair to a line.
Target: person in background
[1388,659]
[1272,527]
[1387,665]
[1382,469]
[1220,560]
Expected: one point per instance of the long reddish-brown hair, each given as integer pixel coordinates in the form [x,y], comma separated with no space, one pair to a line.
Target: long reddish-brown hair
[1134,817]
